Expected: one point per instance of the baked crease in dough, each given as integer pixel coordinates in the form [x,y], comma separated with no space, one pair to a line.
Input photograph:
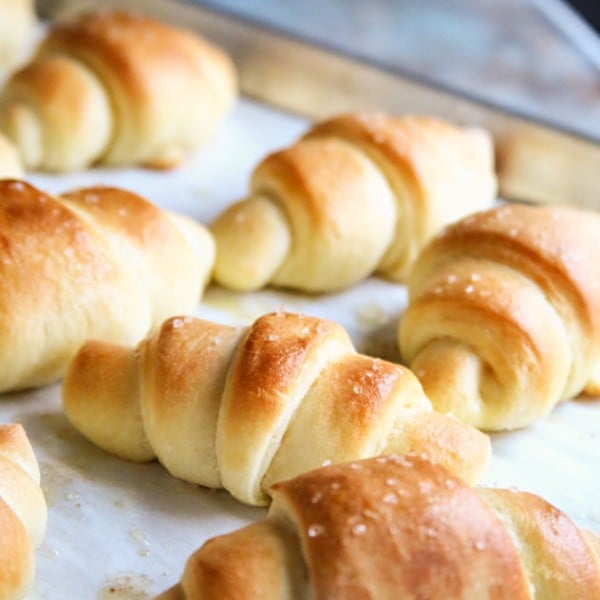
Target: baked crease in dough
[242,408]
[358,194]
[504,314]
[10,163]
[117,88]
[23,512]
[96,262]
[396,527]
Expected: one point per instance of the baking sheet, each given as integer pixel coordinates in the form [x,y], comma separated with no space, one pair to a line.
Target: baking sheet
[118,530]
[537,162]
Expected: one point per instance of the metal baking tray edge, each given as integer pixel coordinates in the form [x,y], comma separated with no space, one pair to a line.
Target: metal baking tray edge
[535,162]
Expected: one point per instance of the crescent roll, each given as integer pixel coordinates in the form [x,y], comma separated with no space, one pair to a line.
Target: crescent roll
[396,527]
[17,20]
[359,194]
[23,512]
[97,262]
[118,88]
[504,315]
[242,408]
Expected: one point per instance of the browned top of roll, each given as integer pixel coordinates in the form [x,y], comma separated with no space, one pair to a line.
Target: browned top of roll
[129,39]
[554,246]
[396,527]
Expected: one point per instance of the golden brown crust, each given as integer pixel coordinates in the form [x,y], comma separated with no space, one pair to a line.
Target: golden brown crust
[558,559]
[75,267]
[504,319]
[399,527]
[51,97]
[272,370]
[22,511]
[118,399]
[437,171]
[15,445]
[222,406]
[339,209]
[157,91]
[183,372]
[380,403]
[272,566]
[441,438]
[171,254]
[357,194]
